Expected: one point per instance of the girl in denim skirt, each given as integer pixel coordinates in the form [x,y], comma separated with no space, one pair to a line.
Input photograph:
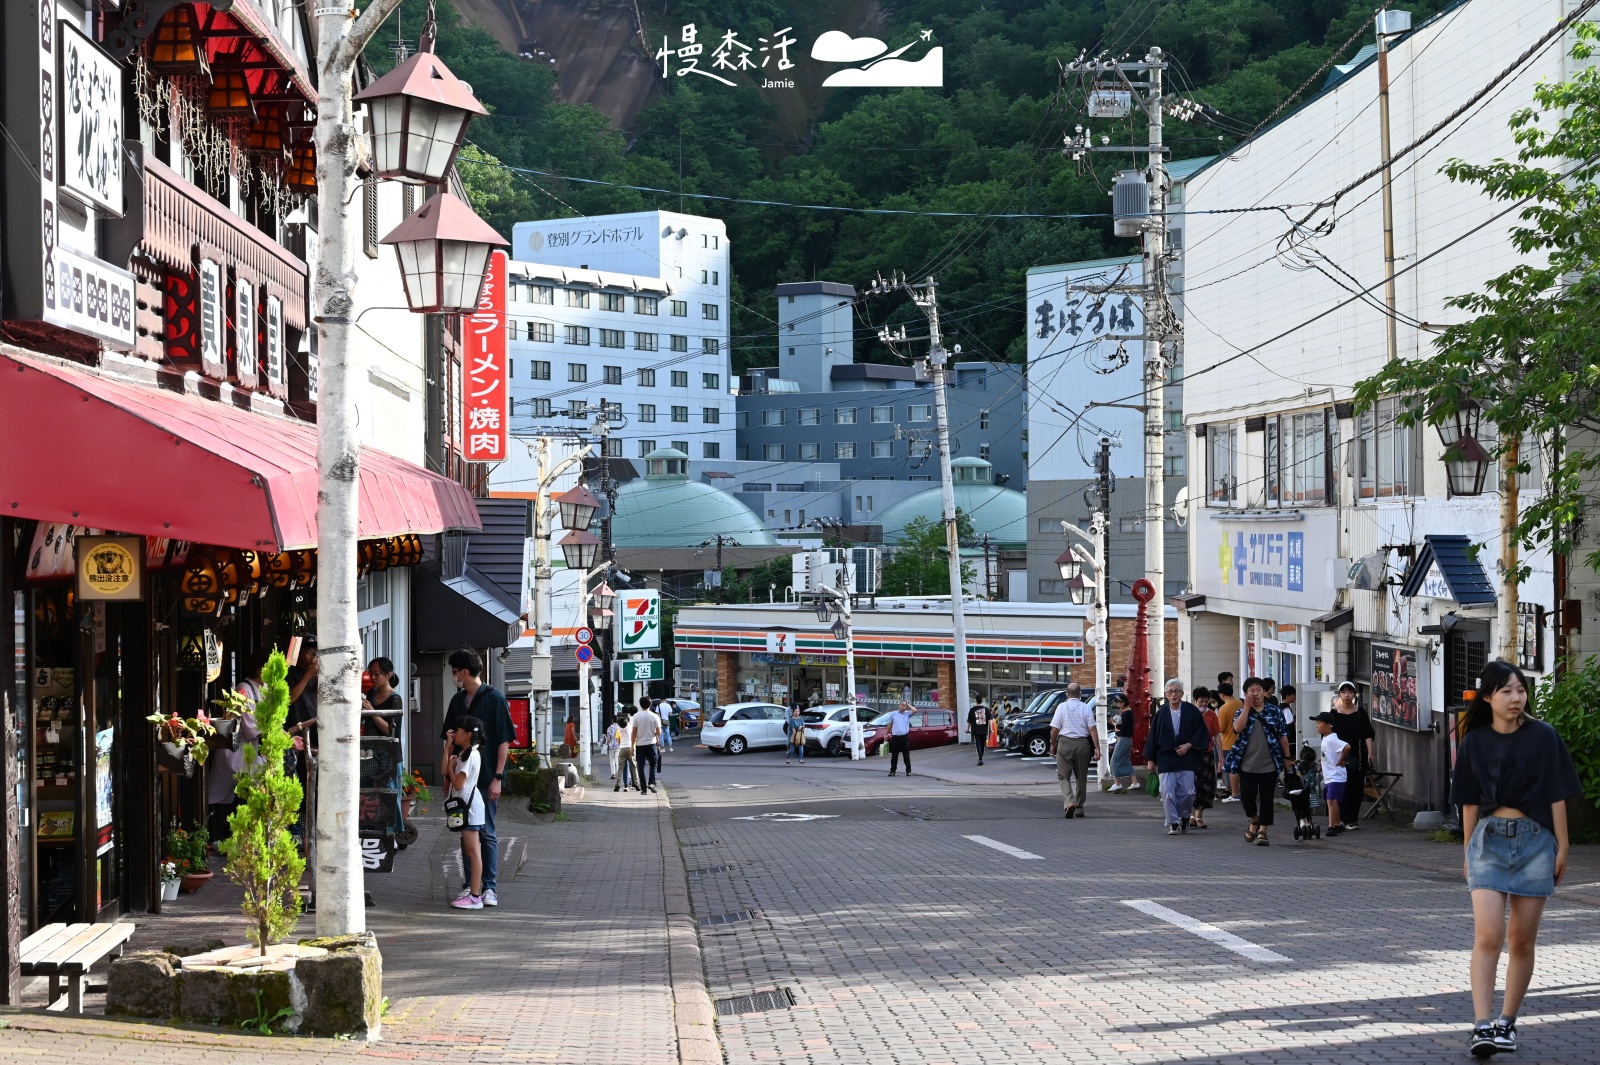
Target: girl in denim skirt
[1512,780]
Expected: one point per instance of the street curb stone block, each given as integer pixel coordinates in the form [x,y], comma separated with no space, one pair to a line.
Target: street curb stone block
[218,996]
[142,984]
[343,988]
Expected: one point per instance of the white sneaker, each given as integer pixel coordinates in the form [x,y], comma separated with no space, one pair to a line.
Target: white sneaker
[1115,787]
[1231,798]
[490,898]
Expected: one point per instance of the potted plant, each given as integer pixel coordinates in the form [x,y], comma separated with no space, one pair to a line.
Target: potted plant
[169,880]
[261,855]
[414,790]
[231,706]
[186,849]
[185,738]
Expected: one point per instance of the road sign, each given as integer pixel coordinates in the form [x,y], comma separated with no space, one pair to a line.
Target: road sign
[625,670]
[638,621]
[584,634]
[584,652]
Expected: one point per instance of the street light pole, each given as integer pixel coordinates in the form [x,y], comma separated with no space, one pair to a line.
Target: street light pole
[1097,633]
[847,621]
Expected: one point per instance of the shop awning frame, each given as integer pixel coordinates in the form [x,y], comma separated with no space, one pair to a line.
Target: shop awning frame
[1468,582]
[87,449]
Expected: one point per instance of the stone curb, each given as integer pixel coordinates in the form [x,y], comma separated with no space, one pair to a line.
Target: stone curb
[693,1014]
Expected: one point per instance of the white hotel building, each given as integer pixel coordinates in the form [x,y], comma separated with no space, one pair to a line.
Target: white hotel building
[627,309]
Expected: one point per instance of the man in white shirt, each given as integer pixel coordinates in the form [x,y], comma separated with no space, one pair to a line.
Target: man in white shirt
[1074,741]
[646,734]
[900,737]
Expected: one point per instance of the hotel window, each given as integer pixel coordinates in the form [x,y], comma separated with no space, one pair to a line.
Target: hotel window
[772,452]
[741,452]
[680,308]
[919,412]
[541,408]
[712,381]
[809,416]
[611,301]
[710,312]
[810,452]
[844,449]
[542,332]
[983,452]
[711,346]
[1303,458]
[646,305]
[646,342]
[772,417]
[613,375]
[882,415]
[577,408]
[647,379]
[611,338]
[983,419]
[1173,464]
[1052,586]
[844,416]
[645,447]
[545,294]
[541,370]
[647,412]
[883,449]
[741,419]
[1222,463]
[577,371]
[678,343]
[1387,453]
[711,451]
[680,378]
[577,297]
[613,448]
[680,414]
[681,445]
[711,415]
[578,334]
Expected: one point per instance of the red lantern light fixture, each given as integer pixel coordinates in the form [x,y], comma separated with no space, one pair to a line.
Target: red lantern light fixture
[419,114]
[444,252]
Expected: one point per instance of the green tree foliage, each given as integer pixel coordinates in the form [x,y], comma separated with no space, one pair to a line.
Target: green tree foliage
[920,564]
[261,855]
[754,584]
[1529,356]
[1567,703]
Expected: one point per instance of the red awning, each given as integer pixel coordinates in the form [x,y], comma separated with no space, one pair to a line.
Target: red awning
[84,449]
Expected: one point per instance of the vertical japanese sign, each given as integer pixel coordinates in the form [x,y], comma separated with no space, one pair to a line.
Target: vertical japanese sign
[275,366]
[485,408]
[91,123]
[639,621]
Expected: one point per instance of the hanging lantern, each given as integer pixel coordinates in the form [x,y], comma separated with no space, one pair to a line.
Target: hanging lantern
[1466,464]
[192,649]
[230,94]
[578,506]
[580,548]
[199,591]
[419,113]
[177,47]
[604,597]
[1081,590]
[444,251]
[410,550]
[1069,565]
[302,173]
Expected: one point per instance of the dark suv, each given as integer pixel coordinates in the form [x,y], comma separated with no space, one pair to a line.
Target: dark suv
[1029,730]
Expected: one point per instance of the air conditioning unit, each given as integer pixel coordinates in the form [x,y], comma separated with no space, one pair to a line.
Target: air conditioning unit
[815,570]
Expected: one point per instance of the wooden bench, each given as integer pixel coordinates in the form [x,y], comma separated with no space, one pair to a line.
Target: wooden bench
[66,952]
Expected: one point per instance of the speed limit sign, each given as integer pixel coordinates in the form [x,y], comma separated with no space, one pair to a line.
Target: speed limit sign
[584,634]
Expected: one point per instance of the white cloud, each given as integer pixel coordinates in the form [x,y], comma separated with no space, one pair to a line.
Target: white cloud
[837,47]
[927,72]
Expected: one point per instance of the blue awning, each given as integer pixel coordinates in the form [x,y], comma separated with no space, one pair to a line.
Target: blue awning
[1450,558]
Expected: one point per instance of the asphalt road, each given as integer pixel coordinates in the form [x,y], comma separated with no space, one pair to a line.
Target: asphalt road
[868,904]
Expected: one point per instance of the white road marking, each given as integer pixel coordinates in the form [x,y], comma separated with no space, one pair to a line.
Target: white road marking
[1006,848]
[785,817]
[1205,931]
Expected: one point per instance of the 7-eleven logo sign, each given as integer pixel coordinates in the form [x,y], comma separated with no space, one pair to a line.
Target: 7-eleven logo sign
[639,621]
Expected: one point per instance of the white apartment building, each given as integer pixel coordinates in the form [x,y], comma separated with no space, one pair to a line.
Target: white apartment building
[631,310]
[1328,546]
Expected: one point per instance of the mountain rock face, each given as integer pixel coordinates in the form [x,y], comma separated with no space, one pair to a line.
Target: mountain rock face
[597,46]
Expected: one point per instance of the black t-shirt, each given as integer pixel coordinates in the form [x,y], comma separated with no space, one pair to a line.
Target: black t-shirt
[978,717]
[1528,770]
[304,708]
[393,702]
[491,708]
[1355,729]
[1125,723]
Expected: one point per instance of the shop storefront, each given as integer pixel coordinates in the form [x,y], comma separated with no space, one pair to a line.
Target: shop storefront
[150,558]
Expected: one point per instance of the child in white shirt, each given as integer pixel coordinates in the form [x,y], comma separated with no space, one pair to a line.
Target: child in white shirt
[1334,774]
[465,763]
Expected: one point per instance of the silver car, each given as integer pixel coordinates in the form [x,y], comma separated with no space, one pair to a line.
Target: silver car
[740,727]
[828,726]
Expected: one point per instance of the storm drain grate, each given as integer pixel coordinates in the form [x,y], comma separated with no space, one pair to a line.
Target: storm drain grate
[759,1002]
[726,918]
[707,870]
[704,843]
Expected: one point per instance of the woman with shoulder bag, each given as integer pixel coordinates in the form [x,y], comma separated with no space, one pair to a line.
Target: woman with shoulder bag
[794,729]
[1353,724]
[463,808]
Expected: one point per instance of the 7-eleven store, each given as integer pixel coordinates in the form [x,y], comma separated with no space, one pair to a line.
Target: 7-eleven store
[904,650]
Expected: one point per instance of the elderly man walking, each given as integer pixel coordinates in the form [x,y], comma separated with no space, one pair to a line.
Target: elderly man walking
[1178,745]
[1074,741]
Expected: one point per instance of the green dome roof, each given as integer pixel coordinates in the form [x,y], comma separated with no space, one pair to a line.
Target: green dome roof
[666,509]
[1002,513]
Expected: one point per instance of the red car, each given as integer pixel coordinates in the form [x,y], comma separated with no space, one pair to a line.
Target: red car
[929,728]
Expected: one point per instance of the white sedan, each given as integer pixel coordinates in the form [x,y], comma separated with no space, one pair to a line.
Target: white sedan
[740,727]
[828,726]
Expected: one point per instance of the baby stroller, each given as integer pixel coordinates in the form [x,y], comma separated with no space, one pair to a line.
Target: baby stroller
[1302,782]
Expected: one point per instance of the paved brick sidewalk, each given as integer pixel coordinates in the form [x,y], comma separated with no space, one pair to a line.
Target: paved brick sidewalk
[578,963]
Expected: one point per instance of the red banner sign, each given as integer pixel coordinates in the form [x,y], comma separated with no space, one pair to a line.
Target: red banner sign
[486,406]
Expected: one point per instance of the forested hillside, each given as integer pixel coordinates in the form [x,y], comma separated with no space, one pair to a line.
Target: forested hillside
[987,143]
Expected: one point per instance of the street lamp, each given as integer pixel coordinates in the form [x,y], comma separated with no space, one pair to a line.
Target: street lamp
[579,548]
[419,114]
[578,506]
[1069,565]
[444,252]
[1466,464]
[604,597]
[1084,567]
[1080,589]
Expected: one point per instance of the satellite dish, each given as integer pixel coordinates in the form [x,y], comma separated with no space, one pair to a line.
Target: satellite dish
[1180,507]
[1366,574]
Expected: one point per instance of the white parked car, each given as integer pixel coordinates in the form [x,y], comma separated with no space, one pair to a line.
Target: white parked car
[738,727]
[828,726]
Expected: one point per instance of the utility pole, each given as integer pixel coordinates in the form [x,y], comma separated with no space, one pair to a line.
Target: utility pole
[1113,88]
[542,575]
[337,877]
[1388,24]
[926,297]
[1510,630]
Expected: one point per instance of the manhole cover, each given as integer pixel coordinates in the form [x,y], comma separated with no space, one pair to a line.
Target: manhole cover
[709,869]
[726,918]
[759,1002]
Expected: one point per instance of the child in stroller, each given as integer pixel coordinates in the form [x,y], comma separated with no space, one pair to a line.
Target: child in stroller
[1301,781]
